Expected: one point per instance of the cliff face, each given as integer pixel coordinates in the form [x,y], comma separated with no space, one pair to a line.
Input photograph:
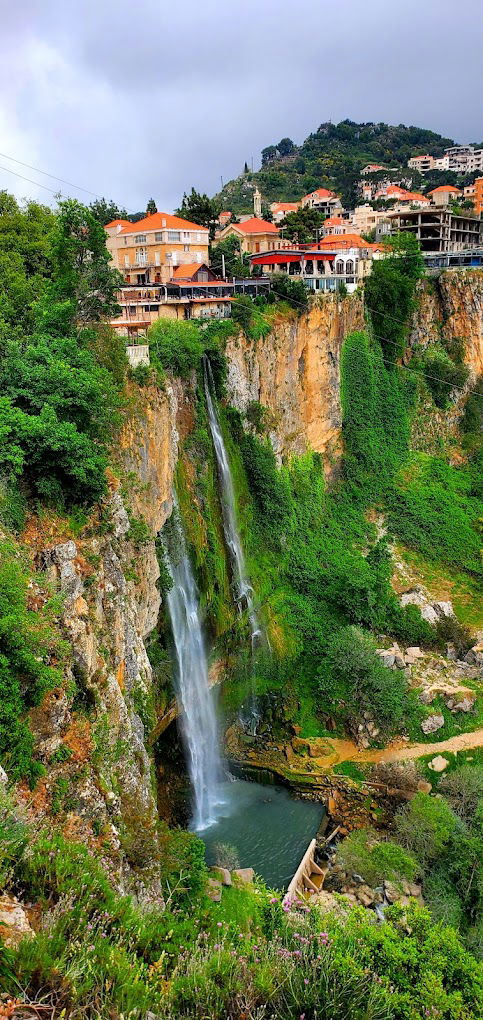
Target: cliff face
[452,304]
[105,712]
[295,372]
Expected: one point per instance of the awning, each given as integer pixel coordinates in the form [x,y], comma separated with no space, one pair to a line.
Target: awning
[271,260]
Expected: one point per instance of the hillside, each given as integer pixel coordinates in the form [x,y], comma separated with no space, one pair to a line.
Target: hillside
[331,157]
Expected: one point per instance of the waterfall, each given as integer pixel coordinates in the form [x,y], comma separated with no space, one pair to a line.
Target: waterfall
[199,718]
[242,586]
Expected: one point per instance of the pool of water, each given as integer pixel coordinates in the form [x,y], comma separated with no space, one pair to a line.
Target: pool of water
[269,827]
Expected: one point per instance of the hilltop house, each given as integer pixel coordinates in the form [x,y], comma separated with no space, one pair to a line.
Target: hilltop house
[336,260]
[254,235]
[326,202]
[279,210]
[150,250]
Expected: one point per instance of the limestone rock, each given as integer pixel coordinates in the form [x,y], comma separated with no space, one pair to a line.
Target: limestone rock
[14,922]
[432,723]
[392,892]
[243,874]
[365,895]
[3,777]
[465,705]
[214,890]
[221,875]
[424,787]
[438,764]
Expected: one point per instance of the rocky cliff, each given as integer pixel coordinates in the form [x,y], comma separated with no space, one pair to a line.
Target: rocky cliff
[452,304]
[295,373]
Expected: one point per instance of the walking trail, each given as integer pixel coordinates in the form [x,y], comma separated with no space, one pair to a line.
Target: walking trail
[335,751]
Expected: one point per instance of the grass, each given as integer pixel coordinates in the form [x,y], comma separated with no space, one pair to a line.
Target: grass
[460,722]
[447,584]
[472,756]
[351,770]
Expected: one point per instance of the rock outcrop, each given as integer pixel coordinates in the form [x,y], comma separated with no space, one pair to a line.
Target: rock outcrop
[452,303]
[295,373]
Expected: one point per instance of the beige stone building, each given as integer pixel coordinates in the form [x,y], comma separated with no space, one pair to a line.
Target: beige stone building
[254,235]
[150,250]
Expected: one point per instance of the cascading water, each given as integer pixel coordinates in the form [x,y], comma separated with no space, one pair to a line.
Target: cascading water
[199,718]
[243,588]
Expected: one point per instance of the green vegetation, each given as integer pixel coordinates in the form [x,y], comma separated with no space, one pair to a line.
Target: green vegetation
[62,371]
[362,852]
[331,157]
[100,954]
[28,644]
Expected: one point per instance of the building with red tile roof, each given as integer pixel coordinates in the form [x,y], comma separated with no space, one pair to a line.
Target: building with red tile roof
[445,194]
[325,201]
[254,235]
[150,250]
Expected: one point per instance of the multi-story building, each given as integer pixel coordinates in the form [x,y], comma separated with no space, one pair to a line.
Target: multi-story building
[477,197]
[438,229]
[461,159]
[254,235]
[325,201]
[365,218]
[335,225]
[150,250]
[336,260]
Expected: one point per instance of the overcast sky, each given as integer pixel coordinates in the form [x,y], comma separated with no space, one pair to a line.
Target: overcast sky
[133,99]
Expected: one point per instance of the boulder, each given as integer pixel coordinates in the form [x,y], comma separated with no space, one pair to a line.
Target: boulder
[399,661]
[14,922]
[443,608]
[213,890]
[415,652]
[392,892]
[388,658]
[424,787]
[438,764]
[243,874]
[465,705]
[3,777]
[365,895]
[221,875]
[432,723]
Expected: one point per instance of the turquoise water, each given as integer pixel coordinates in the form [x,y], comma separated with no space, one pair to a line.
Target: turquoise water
[269,827]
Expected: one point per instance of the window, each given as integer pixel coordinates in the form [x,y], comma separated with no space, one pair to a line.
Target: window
[349,267]
[186,247]
[158,236]
[140,239]
[339,268]
[126,260]
[174,235]
[157,259]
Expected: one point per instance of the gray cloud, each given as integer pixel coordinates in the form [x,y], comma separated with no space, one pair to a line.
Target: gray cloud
[133,100]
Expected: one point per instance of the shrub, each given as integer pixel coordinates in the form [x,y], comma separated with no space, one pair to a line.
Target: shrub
[226,856]
[425,827]
[242,311]
[287,288]
[464,789]
[177,345]
[353,679]
[442,376]
[269,487]
[363,853]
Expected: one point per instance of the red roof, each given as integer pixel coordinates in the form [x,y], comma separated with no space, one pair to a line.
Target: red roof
[334,221]
[284,206]
[160,220]
[345,241]
[414,196]
[256,226]
[321,193]
[445,187]
[187,271]
[117,223]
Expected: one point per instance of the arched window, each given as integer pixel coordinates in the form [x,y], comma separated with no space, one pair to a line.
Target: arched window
[349,267]
[339,267]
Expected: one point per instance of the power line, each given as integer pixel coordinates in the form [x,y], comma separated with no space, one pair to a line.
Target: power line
[35,183]
[45,174]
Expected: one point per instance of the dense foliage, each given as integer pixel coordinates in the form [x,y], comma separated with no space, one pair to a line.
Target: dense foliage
[100,955]
[331,157]
[61,370]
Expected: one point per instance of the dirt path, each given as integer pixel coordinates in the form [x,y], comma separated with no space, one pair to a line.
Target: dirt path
[336,751]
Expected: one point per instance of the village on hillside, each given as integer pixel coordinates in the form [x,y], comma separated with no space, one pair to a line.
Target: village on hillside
[169,270]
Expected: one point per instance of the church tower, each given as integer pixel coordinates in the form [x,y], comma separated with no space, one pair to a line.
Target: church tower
[257,203]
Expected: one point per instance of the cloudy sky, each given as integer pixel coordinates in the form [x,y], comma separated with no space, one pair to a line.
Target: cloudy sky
[133,99]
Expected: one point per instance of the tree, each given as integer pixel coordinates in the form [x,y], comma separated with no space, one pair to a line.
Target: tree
[25,260]
[353,679]
[390,292]
[289,289]
[236,264]
[200,209]
[269,154]
[151,207]
[83,282]
[302,225]
[104,211]
[246,169]
[285,147]
[425,827]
